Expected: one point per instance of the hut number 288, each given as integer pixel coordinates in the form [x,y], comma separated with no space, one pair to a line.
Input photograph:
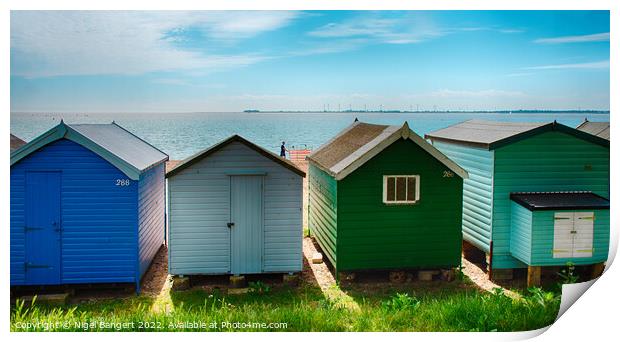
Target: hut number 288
[448,174]
[122,182]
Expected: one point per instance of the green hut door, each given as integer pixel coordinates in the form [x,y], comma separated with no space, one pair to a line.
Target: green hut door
[246,224]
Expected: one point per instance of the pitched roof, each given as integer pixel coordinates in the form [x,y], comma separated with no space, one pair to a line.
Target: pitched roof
[112,142]
[16,143]
[208,151]
[360,142]
[569,200]
[600,129]
[494,134]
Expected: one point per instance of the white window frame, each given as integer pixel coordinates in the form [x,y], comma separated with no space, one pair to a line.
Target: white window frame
[417,189]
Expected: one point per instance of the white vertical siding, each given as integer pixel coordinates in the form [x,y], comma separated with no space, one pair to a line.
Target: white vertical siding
[199,209]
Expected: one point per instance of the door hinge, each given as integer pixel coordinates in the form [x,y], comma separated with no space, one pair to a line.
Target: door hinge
[27,229]
[230,224]
[31,265]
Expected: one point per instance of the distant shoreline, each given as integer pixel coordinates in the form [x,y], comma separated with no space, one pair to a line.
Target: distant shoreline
[251,111]
[519,111]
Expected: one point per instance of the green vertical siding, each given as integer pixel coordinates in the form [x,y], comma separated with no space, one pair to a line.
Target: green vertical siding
[542,239]
[477,191]
[552,161]
[521,233]
[373,235]
[322,210]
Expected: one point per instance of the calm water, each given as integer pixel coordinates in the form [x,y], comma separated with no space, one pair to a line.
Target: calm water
[181,135]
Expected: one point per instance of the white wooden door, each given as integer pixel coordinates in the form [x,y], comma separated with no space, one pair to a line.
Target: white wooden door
[573,235]
[583,234]
[562,236]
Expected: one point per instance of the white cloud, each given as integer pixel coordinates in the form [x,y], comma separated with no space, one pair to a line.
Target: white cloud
[405,30]
[588,65]
[53,43]
[597,37]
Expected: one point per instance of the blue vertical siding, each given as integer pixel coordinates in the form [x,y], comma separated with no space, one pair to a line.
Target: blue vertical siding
[477,191]
[151,211]
[17,224]
[99,218]
[551,161]
[199,208]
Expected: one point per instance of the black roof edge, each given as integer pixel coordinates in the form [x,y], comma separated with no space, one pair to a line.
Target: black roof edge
[204,153]
[514,198]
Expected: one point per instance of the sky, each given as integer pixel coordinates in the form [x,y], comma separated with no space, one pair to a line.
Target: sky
[200,61]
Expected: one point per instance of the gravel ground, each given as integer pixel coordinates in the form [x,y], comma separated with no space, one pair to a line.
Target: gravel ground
[481,278]
[156,280]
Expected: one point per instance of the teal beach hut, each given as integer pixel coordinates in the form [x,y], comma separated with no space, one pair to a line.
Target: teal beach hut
[536,196]
[235,208]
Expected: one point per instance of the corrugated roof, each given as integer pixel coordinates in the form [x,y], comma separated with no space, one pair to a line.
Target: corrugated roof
[569,200]
[122,143]
[16,143]
[360,142]
[600,129]
[204,153]
[494,134]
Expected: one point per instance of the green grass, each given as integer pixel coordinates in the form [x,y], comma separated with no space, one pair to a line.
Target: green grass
[457,306]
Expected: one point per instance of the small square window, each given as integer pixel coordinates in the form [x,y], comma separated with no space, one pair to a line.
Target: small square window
[401,189]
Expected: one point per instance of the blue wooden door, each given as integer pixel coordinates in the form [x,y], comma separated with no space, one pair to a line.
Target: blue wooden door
[42,228]
[246,224]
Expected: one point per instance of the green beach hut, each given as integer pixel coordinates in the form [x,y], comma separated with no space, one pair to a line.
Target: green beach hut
[536,196]
[382,198]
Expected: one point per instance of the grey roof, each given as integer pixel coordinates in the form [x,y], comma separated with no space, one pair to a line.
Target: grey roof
[494,134]
[600,129]
[16,143]
[181,165]
[569,200]
[122,143]
[483,132]
[360,142]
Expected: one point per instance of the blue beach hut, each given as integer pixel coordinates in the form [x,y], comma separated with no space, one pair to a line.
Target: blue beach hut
[87,206]
[235,208]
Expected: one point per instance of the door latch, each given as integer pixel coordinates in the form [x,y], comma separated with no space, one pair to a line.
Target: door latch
[230,224]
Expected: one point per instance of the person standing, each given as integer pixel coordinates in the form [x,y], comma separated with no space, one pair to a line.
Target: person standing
[283,150]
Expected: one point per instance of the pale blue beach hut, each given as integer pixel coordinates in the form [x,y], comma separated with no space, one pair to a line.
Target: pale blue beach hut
[235,208]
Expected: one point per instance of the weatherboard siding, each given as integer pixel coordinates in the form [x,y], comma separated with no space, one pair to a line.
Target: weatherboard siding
[99,218]
[199,209]
[551,161]
[151,213]
[373,235]
[542,239]
[521,233]
[477,191]
[323,210]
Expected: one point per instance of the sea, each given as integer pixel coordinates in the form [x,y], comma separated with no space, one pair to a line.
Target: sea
[182,134]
